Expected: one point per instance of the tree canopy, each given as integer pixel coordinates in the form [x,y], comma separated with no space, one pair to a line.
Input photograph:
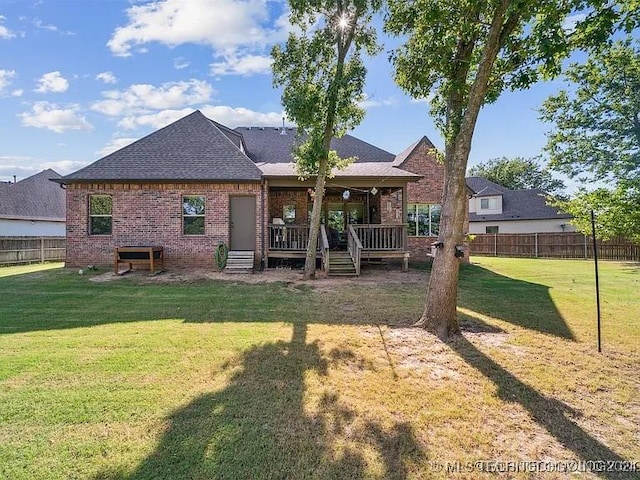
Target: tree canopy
[518,173]
[596,137]
[322,74]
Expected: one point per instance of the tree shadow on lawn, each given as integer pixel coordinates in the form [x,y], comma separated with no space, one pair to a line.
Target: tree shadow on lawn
[550,413]
[521,303]
[260,427]
[61,300]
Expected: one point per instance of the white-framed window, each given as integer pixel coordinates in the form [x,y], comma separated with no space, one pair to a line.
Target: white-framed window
[100,214]
[490,203]
[193,213]
[491,229]
[423,219]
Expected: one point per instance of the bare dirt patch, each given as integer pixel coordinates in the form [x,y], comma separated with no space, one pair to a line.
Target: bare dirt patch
[369,276]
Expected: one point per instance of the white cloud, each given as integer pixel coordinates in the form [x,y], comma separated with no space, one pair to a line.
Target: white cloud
[222,24]
[369,102]
[229,116]
[143,98]
[40,24]
[107,77]
[115,144]
[6,77]
[239,116]
[180,63]
[247,65]
[52,82]
[23,167]
[4,31]
[17,93]
[155,120]
[52,117]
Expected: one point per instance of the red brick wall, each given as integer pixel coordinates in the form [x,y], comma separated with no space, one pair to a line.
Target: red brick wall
[151,214]
[426,190]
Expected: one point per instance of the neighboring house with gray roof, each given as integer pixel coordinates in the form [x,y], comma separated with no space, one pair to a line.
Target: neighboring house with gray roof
[496,209]
[33,207]
[196,183]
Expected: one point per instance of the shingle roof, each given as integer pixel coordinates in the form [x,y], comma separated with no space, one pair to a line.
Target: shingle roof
[267,145]
[34,198]
[368,169]
[525,204]
[190,149]
[479,184]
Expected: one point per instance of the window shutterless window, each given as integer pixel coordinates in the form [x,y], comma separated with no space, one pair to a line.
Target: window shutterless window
[100,214]
[488,203]
[423,219]
[193,211]
[491,229]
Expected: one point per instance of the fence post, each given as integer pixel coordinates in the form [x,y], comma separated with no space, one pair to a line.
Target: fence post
[41,249]
[536,241]
[495,244]
[586,252]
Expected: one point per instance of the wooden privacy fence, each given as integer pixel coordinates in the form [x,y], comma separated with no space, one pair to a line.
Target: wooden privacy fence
[14,250]
[552,245]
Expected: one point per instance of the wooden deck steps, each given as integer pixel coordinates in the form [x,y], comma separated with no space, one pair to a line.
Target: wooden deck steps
[240,262]
[341,264]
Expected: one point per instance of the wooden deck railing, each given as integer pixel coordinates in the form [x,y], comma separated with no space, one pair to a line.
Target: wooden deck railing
[382,237]
[354,247]
[288,237]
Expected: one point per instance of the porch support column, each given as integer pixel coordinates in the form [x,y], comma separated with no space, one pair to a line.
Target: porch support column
[404,215]
[265,222]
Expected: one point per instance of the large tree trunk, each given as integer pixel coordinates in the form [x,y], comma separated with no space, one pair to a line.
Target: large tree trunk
[314,224]
[439,316]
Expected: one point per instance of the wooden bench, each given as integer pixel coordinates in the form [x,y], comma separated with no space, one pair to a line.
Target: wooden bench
[153,256]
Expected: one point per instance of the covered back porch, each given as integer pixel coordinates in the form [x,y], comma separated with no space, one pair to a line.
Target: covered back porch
[358,222]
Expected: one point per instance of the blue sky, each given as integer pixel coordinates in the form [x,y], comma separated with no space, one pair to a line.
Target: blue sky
[79,79]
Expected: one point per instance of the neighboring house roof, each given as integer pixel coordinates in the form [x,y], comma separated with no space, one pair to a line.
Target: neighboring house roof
[268,145]
[369,169]
[480,185]
[34,198]
[191,149]
[525,204]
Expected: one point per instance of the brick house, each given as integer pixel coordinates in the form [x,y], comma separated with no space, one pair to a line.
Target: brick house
[195,184]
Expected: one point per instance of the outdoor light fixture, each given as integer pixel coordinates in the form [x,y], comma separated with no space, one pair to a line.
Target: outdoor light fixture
[459,251]
[373,191]
[346,195]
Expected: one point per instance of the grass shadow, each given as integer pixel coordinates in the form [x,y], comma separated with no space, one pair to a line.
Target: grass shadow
[553,415]
[260,427]
[518,302]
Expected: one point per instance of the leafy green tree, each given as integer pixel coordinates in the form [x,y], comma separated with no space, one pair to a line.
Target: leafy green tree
[323,76]
[518,173]
[597,138]
[463,54]
[617,211]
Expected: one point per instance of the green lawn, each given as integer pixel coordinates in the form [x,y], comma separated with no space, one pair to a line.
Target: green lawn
[143,378]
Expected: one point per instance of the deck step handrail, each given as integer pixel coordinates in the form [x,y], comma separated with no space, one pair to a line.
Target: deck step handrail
[354,247]
[382,237]
[323,241]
